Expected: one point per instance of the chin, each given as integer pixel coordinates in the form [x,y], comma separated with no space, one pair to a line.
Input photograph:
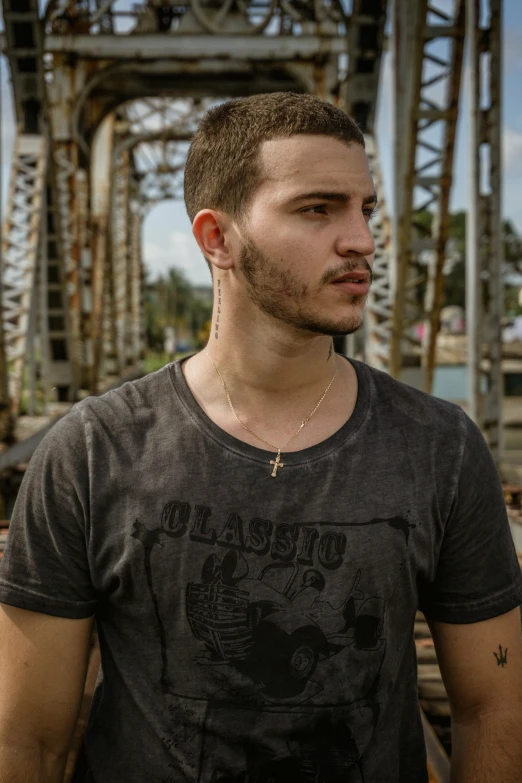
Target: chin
[339,328]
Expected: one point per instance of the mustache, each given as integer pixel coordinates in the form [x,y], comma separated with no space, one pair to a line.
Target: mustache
[357,265]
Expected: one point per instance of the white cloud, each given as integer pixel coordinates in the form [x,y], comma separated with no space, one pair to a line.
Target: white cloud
[180,251]
[512,146]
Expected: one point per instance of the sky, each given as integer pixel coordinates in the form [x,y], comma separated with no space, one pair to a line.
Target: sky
[167,236]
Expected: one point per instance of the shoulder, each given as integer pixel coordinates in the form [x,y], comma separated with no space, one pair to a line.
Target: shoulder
[94,427]
[138,403]
[404,404]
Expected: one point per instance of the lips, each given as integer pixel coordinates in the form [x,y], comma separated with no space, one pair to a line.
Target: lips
[353,283]
[353,277]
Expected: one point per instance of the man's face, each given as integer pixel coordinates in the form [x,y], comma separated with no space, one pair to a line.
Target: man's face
[307,225]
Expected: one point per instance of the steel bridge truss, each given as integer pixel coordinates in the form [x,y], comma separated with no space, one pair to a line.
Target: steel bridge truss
[427,49]
[379,306]
[105,119]
[484,290]
[21,252]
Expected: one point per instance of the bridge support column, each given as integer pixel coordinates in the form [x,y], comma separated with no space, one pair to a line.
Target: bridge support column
[484,284]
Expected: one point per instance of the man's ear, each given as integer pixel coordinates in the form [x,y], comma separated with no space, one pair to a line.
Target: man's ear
[212,231]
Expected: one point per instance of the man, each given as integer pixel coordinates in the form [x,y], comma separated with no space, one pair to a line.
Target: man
[254,528]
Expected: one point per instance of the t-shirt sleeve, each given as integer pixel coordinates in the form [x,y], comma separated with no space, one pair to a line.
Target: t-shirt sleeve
[45,566]
[478,575]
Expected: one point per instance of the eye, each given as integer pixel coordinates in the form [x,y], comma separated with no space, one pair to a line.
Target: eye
[316,209]
[370,213]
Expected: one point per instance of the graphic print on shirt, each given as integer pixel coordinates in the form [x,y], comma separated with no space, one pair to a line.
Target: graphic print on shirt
[276,623]
[273,627]
[307,748]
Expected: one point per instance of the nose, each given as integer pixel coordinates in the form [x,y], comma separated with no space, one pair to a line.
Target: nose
[356,237]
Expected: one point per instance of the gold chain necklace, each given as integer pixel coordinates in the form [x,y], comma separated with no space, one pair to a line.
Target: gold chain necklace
[277,462]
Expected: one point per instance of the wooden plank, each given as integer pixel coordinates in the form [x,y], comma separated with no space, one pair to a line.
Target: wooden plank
[428,671]
[421,630]
[426,655]
[438,762]
[436,707]
[432,690]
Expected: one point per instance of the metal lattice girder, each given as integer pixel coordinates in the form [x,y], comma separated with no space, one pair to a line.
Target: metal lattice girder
[70,225]
[484,285]
[96,265]
[365,47]
[378,311]
[72,196]
[158,134]
[248,18]
[435,174]
[60,370]
[24,39]
[109,364]
[96,57]
[136,347]
[160,167]
[20,245]
[428,46]
[119,231]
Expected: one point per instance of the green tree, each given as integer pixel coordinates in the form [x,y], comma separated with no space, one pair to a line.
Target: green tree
[455,280]
[171,301]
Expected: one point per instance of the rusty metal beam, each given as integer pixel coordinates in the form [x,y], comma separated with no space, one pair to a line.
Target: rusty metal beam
[378,311]
[70,228]
[62,371]
[94,66]
[191,47]
[408,20]
[137,326]
[427,82]
[119,232]
[96,270]
[23,45]
[365,47]
[442,158]
[20,248]
[484,285]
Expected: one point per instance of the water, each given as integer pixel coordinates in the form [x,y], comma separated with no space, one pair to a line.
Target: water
[450,382]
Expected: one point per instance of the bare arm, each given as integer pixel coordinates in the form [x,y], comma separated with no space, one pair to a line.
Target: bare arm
[481,665]
[42,674]
[487,749]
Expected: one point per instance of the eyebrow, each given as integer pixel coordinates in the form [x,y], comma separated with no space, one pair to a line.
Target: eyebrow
[340,198]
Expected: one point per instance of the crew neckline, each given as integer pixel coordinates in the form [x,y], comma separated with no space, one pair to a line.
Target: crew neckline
[291,458]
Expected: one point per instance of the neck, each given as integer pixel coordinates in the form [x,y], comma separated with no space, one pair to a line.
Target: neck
[258,353]
[275,375]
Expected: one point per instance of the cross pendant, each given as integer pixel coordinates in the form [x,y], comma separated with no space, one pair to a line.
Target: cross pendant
[277,463]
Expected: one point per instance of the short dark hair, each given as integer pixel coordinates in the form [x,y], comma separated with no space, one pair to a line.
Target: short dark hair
[222,169]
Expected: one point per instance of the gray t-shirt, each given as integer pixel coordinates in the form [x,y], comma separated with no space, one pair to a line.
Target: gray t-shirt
[257,628]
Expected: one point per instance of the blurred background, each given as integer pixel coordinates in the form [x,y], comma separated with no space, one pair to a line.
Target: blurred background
[101,279]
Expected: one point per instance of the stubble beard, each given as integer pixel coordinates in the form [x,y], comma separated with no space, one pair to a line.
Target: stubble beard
[280,294]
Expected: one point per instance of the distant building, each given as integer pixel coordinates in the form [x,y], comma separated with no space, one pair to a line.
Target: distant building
[452,320]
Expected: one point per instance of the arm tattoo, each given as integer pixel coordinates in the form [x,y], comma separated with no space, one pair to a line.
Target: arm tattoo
[502,657]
